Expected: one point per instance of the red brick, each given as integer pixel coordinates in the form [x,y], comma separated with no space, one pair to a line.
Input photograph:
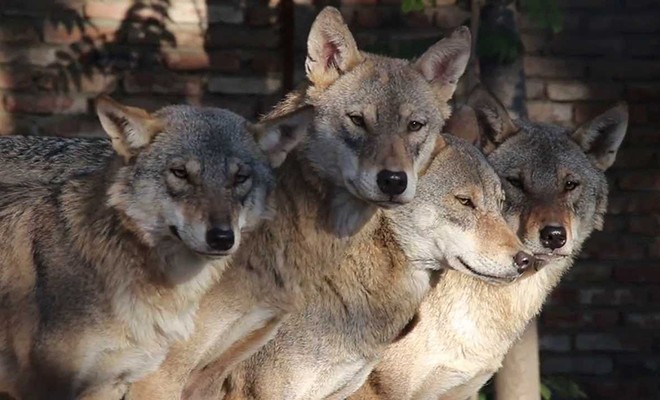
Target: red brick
[630,69]
[109,10]
[545,111]
[534,43]
[634,203]
[553,67]
[612,296]
[643,91]
[163,83]
[580,90]
[220,36]
[579,45]
[535,89]
[38,55]
[612,342]
[43,104]
[593,4]
[586,271]
[648,224]
[359,2]
[640,23]
[638,114]
[11,124]
[640,180]
[643,135]
[637,158]
[61,34]
[94,84]
[599,247]
[563,318]
[594,365]
[615,223]
[369,17]
[18,31]
[587,111]
[262,16]
[450,17]
[65,126]
[655,248]
[643,320]
[15,79]
[222,61]
[643,45]
[266,62]
[647,273]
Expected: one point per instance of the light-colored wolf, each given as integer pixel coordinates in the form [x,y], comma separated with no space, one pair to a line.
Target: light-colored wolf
[101,272]
[327,350]
[375,126]
[556,195]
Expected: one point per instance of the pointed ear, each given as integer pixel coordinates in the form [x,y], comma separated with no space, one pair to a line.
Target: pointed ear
[495,124]
[444,63]
[331,48]
[130,128]
[601,137]
[278,136]
[463,123]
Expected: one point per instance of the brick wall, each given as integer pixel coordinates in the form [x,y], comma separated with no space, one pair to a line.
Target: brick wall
[601,326]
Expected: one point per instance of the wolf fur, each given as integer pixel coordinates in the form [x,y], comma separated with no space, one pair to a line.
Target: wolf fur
[466,326]
[357,308]
[101,272]
[372,114]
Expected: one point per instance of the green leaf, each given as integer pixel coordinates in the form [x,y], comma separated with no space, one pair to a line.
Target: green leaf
[546,394]
[482,396]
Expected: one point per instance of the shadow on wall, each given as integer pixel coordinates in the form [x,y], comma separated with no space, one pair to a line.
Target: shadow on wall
[58,55]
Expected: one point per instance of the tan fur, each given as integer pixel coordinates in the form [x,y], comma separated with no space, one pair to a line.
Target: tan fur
[319,217]
[467,326]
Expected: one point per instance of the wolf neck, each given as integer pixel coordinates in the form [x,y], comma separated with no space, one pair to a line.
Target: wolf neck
[488,318]
[124,261]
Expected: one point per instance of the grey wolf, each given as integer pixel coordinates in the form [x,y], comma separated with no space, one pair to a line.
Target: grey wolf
[101,272]
[360,306]
[375,125]
[556,195]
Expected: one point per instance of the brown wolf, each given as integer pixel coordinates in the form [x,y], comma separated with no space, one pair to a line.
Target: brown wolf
[375,127]
[327,350]
[100,273]
[556,195]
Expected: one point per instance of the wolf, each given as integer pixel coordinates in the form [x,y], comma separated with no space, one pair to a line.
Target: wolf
[327,350]
[101,272]
[556,195]
[375,125]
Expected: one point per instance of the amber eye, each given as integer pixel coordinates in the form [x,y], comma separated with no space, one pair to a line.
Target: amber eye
[241,178]
[179,172]
[515,182]
[466,201]
[358,120]
[414,126]
[571,185]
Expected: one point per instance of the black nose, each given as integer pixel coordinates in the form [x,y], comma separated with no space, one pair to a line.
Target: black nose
[553,237]
[220,239]
[392,183]
[523,261]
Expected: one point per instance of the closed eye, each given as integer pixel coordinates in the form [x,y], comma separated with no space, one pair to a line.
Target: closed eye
[515,182]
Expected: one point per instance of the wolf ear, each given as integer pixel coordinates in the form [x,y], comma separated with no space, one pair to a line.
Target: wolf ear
[331,48]
[130,128]
[493,121]
[463,123]
[445,62]
[278,136]
[601,137]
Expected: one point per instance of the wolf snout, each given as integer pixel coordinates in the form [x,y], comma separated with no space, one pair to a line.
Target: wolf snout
[220,239]
[523,261]
[392,183]
[553,237]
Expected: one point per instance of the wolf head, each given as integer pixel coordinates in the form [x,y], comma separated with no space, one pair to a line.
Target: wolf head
[556,191]
[456,217]
[196,176]
[376,117]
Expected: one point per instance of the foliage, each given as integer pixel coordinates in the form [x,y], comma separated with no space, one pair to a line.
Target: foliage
[545,13]
[558,386]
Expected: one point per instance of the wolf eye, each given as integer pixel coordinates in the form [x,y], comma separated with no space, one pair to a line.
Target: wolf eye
[241,178]
[414,126]
[466,201]
[515,182]
[358,120]
[179,172]
[570,185]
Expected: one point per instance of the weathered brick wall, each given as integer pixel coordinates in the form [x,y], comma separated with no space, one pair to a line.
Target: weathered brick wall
[600,326]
